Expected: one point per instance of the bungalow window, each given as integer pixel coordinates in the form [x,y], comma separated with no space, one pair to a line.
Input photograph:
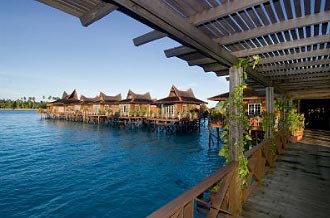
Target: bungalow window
[137,108]
[254,109]
[96,108]
[169,110]
[184,108]
[125,108]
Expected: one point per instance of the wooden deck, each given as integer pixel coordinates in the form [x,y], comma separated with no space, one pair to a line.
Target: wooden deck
[299,185]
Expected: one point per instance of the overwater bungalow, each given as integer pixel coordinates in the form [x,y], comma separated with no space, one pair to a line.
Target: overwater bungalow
[89,105]
[101,104]
[137,105]
[179,104]
[64,105]
[108,105]
[253,101]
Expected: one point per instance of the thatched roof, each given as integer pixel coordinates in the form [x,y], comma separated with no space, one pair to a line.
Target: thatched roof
[65,95]
[107,99]
[138,98]
[66,99]
[86,100]
[179,96]
[248,93]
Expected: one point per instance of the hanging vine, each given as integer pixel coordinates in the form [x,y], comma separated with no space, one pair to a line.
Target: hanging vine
[268,122]
[240,118]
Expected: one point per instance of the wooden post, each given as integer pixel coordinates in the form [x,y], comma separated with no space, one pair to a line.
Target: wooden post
[282,114]
[235,134]
[235,128]
[269,109]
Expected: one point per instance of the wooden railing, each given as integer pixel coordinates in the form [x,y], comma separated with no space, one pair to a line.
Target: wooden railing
[231,194]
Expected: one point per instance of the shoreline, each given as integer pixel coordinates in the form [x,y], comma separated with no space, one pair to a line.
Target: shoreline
[17,109]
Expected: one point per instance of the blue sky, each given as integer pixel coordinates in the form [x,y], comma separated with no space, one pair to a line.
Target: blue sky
[44,51]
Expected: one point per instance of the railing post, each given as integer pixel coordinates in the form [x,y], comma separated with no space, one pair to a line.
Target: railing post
[269,109]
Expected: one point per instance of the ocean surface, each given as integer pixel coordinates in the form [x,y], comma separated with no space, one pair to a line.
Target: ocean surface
[64,169]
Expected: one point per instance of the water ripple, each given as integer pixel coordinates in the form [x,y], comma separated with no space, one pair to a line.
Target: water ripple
[63,169]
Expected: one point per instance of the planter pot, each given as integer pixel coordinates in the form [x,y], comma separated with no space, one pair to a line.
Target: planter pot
[297,137]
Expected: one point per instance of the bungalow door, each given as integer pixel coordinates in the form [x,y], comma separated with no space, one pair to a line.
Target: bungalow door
[96,108]
[169,111]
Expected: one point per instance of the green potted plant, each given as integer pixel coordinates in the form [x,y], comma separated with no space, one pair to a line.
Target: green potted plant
[295,122]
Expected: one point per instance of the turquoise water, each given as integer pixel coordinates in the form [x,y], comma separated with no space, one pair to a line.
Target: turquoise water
[66,169]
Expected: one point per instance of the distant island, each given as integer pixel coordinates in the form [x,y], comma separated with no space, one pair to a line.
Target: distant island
[25,103]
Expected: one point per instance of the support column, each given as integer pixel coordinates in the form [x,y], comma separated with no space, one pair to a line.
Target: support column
[282,114]
[269,108]
[235,134]
[235,128]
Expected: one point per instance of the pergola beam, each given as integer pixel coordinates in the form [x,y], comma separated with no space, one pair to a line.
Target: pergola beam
[157,13]
[297,72]
[62,6]
[207,15]
[282,46]
[101,10]
[290,86]
[294,65]
[301,55]
[213,67]
[310,94]
[148,37]
[276,27]
[201,61]
[307,77]
[177,51]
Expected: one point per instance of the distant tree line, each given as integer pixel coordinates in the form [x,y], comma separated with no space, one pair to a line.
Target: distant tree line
[26,103]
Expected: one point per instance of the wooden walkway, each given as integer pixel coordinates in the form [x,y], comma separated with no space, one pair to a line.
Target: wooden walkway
[299,185]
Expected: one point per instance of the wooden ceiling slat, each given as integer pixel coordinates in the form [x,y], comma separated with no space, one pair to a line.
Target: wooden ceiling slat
[283,45]
[307,78]
[219,28]
[275,28]
[223,10]
[214,3]
[199,5]
[295,56]
[247,20]
[295,65]
[270,12]
[288,9]
[301,85]
[297,73]
[183,7]
[278,10]
[307,7]
[254,17]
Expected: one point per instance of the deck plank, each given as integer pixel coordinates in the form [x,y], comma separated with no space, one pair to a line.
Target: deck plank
[299,185]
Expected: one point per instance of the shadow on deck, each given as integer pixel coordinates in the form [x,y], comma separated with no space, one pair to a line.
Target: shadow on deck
[299,185]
